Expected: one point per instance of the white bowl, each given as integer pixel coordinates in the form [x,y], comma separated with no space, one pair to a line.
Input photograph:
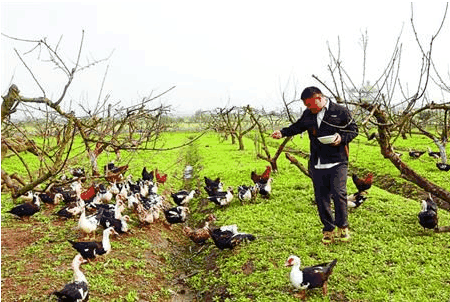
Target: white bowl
[327,139]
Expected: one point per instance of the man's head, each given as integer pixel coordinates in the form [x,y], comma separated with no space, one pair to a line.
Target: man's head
[313,99]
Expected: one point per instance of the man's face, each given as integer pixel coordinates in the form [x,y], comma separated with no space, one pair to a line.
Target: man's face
[315,103]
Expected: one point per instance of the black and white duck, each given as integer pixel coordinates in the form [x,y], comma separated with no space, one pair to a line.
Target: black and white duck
[428,217]
[228,237]
[78,289]
[177,214]
[309,277]
[222,198]
[91,249]
[183,197]
[27,209]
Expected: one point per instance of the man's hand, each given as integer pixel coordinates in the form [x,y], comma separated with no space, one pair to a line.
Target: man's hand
[277,134]
[337,141]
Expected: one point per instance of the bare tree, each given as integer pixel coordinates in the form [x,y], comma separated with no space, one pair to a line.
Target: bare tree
[53,130]
[392,110]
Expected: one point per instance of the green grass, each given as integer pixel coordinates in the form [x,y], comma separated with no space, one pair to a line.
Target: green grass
[390,258]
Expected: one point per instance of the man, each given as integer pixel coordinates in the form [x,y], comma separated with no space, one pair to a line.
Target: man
[328,163]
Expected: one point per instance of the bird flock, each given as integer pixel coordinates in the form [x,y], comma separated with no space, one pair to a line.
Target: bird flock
[104,205]
[112,205]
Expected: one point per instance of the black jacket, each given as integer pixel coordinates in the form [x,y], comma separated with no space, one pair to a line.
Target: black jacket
[337,118]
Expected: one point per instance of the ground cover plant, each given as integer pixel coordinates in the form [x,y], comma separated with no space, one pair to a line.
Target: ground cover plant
[389,258]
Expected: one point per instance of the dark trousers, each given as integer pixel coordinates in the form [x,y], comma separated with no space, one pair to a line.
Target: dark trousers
[331,184]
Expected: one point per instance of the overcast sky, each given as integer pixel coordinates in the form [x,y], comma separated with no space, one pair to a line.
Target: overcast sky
[216,53]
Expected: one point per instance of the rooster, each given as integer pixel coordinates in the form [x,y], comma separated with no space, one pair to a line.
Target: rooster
[113,173]
[428,217]
[363,184]
[263,178]
[89,193]
[227,237]
[415,154]
[147,175]
[160,178]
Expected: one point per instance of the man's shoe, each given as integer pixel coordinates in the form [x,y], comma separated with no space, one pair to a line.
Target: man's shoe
[343,235]
[328,237]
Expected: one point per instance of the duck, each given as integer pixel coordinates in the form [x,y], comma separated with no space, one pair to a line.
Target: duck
[120,225]
[89,224]
[435,155]
[177,214]
[27,209]
[103,194]
[363,184]
[428,217]
[356,199]
[144,216]
[91,249]
[200,235]
[265,187]
[443,167]
[78,172]
[311,276]
[415,154]
[247,192]
[51,198]
[222,198]
[69,211]
[227,237]
[78,289]
[183,197]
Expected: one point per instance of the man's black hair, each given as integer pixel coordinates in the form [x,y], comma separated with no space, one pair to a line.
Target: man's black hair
[309,92]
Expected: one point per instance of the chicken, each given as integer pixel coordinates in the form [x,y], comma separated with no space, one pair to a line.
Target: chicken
[160,178]
[227,237]
[147,175]
[200,235]
[213,186]
[263,178]
[310,277]
[89,193]
[428,217]
[363,184]
[78,290]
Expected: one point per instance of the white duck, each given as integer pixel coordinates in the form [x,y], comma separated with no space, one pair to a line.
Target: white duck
[88,224]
